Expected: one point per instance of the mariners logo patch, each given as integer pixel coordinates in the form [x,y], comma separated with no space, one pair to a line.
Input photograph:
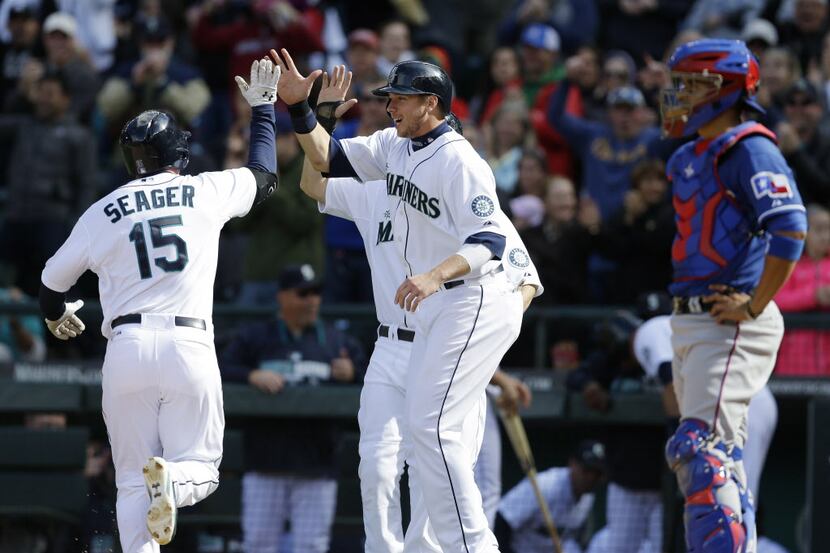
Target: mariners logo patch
[518,258]
[483,206]
[774,185]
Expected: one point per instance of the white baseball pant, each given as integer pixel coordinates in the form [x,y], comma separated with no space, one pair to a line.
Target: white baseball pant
[162,396]
[462,335]
[268,500]
[488,465]
[761,420]
[634,522]
[384,448]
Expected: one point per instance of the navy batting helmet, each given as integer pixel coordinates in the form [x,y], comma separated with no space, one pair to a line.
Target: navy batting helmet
[418,77]
[152,142]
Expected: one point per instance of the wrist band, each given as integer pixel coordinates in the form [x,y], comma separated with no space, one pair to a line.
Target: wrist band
[325,114]
[302,118]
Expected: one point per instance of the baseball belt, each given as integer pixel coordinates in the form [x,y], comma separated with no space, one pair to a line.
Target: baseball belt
[135,318]
[688,305]
[453,283]
[403,334]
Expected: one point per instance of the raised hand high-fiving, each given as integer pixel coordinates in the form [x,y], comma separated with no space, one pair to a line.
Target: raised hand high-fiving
[262,90]
[294,88]
[334,90]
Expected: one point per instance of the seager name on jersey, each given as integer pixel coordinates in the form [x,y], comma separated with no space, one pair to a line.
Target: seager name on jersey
[398,186]
[142,200]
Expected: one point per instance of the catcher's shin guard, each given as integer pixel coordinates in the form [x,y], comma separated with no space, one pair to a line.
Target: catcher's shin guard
[713,501]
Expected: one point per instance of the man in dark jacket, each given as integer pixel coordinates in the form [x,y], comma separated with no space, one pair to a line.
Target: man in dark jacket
[51,179]
[291,465]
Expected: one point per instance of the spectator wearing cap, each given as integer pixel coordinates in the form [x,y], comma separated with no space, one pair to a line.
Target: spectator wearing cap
[285,230]
[290,466]
[569,494]
[576,21]
[539,51]
[362,57]
[759,34]
[722,18]
[51,179]
[541,72]
[158,80]
[95,30]
[23,44]
[634,508]
[64,54]
[608,151]
[804,35]
[638,238]
[804,139]
[395,45]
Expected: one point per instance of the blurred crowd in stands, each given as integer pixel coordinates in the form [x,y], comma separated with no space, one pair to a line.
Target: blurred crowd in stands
[560,96]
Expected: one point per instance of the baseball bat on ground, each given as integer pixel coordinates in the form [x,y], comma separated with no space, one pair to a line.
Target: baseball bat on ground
[518,438]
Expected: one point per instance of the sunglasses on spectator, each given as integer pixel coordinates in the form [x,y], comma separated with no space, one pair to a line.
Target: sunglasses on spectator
[305,292]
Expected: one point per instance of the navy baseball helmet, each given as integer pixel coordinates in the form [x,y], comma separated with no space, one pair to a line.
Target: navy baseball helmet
[418,77]
[152,142]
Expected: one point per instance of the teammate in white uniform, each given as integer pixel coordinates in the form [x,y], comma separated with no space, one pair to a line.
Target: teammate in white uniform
[383,444]
[153,243]
[450,232]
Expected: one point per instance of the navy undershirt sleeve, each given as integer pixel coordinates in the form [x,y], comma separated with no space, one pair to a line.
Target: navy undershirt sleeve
[51,303]
[494,242]
[262,153]
[339,164]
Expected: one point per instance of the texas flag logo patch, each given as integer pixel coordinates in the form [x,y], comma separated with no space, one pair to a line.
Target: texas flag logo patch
[774,185]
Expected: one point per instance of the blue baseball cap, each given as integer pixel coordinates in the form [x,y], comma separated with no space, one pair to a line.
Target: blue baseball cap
[625,96]
[539,35]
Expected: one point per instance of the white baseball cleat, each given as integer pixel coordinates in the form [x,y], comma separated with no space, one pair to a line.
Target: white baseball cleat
[161,517]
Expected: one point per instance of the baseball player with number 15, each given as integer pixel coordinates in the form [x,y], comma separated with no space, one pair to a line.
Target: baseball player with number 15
[450,233]
[740,230]
[153,243]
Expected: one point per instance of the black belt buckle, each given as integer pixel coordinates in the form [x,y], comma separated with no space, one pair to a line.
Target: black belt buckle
[135,318]
[403,334]
[690,305]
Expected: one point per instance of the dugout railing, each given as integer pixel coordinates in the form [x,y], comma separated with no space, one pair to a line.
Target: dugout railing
[796,478]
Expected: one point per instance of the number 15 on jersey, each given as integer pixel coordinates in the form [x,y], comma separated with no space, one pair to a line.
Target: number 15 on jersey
[159,240]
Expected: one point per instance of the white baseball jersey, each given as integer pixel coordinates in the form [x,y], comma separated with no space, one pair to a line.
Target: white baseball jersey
[445,193]
[521,511]
[371,208]
[153,243]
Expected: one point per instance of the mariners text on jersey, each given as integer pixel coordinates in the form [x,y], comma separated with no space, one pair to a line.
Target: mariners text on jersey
[398,186]
[140,200]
